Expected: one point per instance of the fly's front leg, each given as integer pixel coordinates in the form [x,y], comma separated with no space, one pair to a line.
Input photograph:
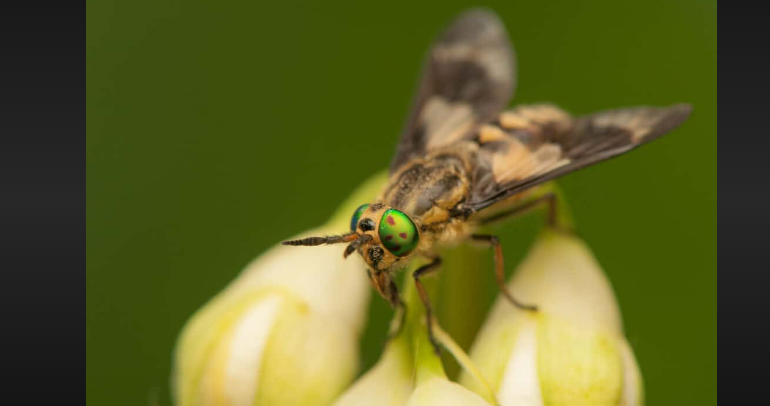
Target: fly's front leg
[422,271]
[400,306]
[389,291]
[500,271]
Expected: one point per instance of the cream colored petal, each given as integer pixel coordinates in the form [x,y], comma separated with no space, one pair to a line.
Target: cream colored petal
[491,351]
[561,275]
[388,383]
[309,360]
[520,384]
[252,319]
[577,365]
[633,386]
[246,349]
[319,276]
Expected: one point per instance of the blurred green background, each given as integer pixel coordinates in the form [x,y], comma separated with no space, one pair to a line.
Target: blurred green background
[215,129]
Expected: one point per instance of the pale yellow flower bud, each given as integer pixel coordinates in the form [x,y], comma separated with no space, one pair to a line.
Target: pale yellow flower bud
[439,391]
[388,383]
[403,378]
[572,351]
[285,332]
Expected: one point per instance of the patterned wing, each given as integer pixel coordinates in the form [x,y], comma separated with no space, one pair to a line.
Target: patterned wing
[468,78]
[534,144]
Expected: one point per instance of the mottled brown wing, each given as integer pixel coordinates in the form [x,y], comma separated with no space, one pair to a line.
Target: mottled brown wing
[534,144]
[468,78]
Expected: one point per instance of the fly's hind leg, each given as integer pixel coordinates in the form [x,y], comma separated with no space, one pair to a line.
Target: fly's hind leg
[422,271]
[500,271]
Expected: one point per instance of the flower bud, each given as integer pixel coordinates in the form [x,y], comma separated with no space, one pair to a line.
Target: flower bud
[388,383]
[572,351]
[284,332]
[439,391]
[409,371]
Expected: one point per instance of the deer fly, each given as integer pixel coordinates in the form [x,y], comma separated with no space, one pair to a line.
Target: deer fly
[464,161]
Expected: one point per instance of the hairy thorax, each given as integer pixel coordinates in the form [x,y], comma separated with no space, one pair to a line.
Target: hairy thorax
[432,191]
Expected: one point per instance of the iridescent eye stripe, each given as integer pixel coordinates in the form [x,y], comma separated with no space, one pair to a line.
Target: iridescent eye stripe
[357,216]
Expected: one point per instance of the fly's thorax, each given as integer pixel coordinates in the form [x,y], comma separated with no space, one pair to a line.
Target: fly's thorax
[446,235]
[430,188]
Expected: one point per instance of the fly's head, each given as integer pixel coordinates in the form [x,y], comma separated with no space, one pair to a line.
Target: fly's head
[382,235]
[387,235]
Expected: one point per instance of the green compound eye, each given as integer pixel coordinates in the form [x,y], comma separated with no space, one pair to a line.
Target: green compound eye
[397,233]
[357,216]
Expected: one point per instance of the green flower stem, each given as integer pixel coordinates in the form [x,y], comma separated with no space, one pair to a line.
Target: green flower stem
[426,363]
[414,335]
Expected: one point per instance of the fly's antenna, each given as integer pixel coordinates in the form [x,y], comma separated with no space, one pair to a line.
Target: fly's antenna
[333,239]
[355,244]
